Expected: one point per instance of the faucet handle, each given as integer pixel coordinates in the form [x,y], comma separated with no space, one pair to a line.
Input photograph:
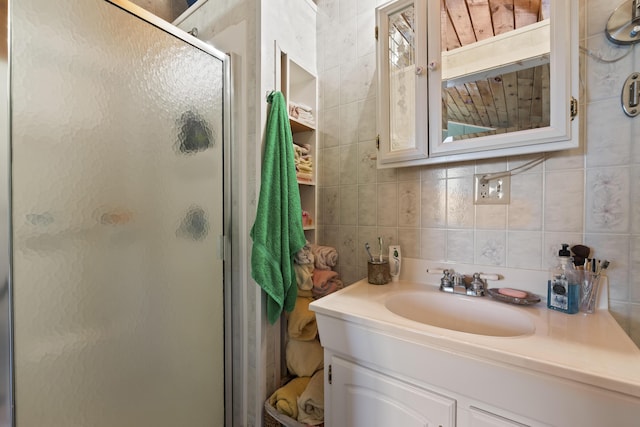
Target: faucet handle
[446,280]
[477,286]
[488,276]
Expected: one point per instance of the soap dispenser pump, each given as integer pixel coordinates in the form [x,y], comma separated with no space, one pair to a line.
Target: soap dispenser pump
[563,292]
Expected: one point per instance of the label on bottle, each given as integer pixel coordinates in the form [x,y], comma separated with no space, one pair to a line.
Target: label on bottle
[558,297]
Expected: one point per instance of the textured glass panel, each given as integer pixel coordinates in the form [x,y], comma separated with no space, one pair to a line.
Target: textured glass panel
[402,84]
[117,207]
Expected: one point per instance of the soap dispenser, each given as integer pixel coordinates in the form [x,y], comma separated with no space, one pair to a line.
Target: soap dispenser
[563,292]
[395,262]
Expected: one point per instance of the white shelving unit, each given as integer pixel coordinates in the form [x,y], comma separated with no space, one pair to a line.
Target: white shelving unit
[300,87]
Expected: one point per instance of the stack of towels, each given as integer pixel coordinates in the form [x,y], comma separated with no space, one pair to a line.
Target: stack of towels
[303,162]
[302,113]
[302,398]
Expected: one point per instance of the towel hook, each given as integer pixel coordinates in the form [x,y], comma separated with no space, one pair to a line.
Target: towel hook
[268,95]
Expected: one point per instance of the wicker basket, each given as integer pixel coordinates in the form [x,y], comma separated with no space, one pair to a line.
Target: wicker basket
[273,418]
[269,421]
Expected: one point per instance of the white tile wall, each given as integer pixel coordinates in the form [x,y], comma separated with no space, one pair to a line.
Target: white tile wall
[589,195]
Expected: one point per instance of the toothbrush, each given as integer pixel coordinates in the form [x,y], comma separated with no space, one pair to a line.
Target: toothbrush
[590,297]
[368,248]
[380,243]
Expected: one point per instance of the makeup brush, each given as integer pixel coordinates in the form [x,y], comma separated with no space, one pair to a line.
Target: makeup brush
[580,254]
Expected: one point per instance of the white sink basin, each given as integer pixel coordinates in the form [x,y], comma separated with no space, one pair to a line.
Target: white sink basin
[472,315]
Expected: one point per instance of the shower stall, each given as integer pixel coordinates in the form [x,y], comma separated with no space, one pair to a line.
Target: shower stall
[114,202]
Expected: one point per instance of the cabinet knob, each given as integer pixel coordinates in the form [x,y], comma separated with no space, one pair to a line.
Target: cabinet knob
[433,65]
[419,70]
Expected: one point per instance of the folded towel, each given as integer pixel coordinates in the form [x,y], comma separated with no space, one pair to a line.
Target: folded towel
[302,149]
[303,107]
[305,147]
[304,167]
[301,324]
[306,177]
[285,399]
[302,113]
[277,232]
[304,276]
[326,257]
[328,287]
[320,277]
[311,401]
[305,293]
[304,358]
[304,255]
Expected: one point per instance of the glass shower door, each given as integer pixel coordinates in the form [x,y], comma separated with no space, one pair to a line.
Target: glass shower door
[117,209]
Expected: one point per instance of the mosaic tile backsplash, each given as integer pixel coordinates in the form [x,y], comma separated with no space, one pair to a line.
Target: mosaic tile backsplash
[590,195]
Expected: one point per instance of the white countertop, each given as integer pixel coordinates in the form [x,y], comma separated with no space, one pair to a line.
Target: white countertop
[591,349]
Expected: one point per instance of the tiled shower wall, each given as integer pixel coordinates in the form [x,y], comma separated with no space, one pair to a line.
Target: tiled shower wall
[168,10]
[590,195]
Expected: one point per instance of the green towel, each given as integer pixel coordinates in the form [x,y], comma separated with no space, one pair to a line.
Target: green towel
[277,232]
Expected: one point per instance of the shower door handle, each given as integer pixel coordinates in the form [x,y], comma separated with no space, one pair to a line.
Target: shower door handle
[630,97]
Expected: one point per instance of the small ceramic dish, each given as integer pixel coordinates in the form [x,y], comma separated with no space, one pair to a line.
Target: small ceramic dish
[528,299]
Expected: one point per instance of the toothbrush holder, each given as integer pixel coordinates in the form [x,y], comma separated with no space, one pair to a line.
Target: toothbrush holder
[378,272]
[589,292]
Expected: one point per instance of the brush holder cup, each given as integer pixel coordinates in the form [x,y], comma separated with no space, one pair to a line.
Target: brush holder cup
[378,272]
[589,292]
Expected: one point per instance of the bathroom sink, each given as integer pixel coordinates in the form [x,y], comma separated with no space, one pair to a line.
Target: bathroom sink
[472,315]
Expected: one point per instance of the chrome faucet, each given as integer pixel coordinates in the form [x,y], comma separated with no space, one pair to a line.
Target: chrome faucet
[457,283]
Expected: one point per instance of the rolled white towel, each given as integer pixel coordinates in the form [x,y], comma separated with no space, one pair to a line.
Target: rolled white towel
[326,257]
[303,107]
[311,401]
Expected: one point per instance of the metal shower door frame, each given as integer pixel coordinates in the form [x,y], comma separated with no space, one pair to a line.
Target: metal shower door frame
[7,403]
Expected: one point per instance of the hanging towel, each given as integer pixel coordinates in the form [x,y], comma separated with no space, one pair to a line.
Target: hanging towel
[277,231]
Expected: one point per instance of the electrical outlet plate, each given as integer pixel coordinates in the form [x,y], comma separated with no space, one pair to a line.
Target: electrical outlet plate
[494,191]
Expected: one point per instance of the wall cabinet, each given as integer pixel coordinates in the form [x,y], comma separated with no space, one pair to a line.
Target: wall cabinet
[300,89]
[460,81]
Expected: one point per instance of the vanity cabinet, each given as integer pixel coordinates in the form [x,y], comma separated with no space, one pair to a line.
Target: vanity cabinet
[381,372]
[360,396]
[480,418]
[461,80]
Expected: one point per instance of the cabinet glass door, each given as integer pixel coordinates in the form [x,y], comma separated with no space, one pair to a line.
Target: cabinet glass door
[503,76]
[403,82]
